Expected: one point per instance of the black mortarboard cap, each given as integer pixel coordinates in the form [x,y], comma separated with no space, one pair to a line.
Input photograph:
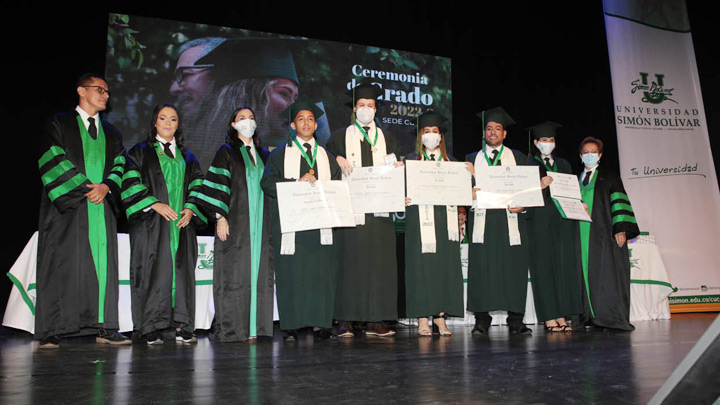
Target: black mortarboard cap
[242,58]
[365,90]
[547,129]
[302,103]
[497,114]
[430,119]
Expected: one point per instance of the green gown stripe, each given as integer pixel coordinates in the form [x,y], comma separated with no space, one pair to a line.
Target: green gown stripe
[94,153]
[195,183]
[210,200]
[115,179]
[173,170]
[619,196]
[131,174]
[197,211]
[120,163]
[64,188]
[253,175]
[220,171]
[217,186]
[137,188]
[141,205]
[57,171]
[23,293]
[588,194]
[49,155]
[621,207]
[624,218]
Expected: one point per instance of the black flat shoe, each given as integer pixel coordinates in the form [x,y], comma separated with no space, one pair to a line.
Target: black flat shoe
[290,336]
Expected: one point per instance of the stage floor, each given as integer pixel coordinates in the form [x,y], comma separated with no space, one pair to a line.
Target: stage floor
[595,366]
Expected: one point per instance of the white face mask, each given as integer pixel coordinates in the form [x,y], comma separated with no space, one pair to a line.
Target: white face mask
[546,148]
[246,127]
[431,140]
[365,115]
[590,159]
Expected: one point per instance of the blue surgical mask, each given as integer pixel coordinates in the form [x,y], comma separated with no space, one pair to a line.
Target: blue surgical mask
[590,159]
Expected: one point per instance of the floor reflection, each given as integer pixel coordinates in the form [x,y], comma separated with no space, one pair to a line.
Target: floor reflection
[594,366]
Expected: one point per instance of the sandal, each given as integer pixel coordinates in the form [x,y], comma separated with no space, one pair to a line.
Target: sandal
[554,328]
[566,328]
[425,331]
[442,332]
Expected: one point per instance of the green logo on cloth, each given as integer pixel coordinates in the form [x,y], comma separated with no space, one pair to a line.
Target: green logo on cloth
[205,259]
[653,92]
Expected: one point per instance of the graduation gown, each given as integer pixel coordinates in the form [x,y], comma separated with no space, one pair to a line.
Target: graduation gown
[74,295]
[497,272]
[606,267]
[433,281]
[307,280]
[554,255]
[162,282]
[225,192]
[367,282]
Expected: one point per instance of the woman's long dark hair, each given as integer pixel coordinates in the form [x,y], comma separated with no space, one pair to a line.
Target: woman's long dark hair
[232,133]
[153,131]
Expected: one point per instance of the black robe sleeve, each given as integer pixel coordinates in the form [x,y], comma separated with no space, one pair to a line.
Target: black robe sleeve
[64,183]
[623,216]
[136,196]
[214,194]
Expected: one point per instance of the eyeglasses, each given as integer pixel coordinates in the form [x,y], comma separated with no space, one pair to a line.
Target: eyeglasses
[180,73]
[99,89]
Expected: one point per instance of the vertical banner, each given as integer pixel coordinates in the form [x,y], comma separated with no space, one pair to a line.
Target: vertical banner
[665,159]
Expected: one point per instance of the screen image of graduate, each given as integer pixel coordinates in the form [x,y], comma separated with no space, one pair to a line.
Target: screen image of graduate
[213,76]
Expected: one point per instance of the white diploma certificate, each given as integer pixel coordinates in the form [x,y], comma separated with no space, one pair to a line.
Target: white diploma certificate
[503,186]
[438,183]
[565,192]
[304,205]
[377,189]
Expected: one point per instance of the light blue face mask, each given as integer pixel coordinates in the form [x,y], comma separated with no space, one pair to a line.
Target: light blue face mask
[590,159]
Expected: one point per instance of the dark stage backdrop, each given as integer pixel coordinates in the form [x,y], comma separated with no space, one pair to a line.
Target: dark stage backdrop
[148,57]
[539,60]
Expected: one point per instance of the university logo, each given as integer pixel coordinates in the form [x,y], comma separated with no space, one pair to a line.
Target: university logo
[654,92]
[205,258]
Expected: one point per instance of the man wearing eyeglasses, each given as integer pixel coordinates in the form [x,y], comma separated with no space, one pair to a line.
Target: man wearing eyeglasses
[192,82]
[81,164]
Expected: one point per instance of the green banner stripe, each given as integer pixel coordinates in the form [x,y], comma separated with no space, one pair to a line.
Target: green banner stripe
[115,179]
[195,183]
[141,205]
[222,172]
[619,196]
[57,171]
[213,201]
[32,286]
[49,155]
[123,282]
[621,207]
[119,161]
[197,212]
[23,293]
[665,283]
[132,191]
[624,218]
[217,186]
[64,188]
[131,174]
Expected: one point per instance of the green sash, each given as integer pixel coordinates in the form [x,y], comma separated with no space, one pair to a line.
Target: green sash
[253,175]
[94,156]
[440,156]
[550,169]
[174,173]
[588,193]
